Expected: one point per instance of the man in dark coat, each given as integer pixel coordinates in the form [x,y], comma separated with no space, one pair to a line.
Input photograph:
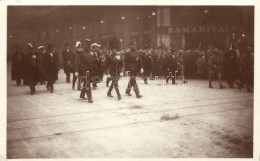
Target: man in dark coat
[214,67]
[17,65]
[98,65]
[147,65]
[231,65]
[84,70]
[114,67]
[67,56]
[132,66]
[171,67]
[246,67]
[107,63]
[51,66]
[31,63]
[76,56]
[41,67]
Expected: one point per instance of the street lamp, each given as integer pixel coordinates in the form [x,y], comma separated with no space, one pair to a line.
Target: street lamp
[84,27]
[153,13]
[137,17]
[206,11]
[123,18]
[101,21]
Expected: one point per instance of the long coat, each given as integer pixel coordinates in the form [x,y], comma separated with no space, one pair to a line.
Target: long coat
[41,67]
[98,66]
[171,64]
[85,62]
[115,65]
[147,61]
[31,68]
[51,66]
[133,62]
[17,66]
[67,56]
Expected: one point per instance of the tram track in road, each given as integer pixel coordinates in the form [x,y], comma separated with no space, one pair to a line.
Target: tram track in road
[120,125]
[115,112]
[120,108]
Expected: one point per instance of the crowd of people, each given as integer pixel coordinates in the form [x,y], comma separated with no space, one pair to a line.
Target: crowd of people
[88,62]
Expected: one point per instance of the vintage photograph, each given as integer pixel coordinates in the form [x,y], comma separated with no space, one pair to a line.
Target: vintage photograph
[130,81]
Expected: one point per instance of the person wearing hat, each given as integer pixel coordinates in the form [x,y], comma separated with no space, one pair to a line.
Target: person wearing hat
[98,64]
[51,66]
[76,55]
[147,61]
[133,65]
[17,65]
[231,65]
[32,75]
[84,70]
[67,56]
[214,67]
[41,67]
[114,66]
[171,66]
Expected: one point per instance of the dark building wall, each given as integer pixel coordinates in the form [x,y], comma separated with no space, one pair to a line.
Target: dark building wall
[74,23]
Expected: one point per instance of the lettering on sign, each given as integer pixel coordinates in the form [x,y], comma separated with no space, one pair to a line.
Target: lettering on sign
[200,29]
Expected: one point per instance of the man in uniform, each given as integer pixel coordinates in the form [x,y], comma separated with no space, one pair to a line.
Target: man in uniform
[41,67]
[246,64]
[67,56]
[107,63]
[171,66]
[214,67]
[17,65]
[31,69]
[84,70]
[98,65]
[132,66]
[51,66]
[231,60]
[76,56]
[114,67]
[147,64]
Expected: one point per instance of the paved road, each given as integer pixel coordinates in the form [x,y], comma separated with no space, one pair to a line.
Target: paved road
[169,121]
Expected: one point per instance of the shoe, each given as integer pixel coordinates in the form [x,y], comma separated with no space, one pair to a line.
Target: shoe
[109,95]
[51,90]
[137,93]
[210,86]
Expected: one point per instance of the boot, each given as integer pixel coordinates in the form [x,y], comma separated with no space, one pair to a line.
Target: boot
[89,94]
[118,94]
[110,90]
[128,90]
[137,93]
[82,95]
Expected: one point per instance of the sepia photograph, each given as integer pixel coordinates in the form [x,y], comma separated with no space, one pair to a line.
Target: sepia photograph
[130,81]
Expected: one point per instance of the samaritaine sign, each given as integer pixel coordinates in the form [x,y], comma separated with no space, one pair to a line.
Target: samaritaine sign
[201,29]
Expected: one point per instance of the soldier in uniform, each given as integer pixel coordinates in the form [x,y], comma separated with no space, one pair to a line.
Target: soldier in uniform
[84,70]
[31,69]
[51,66]
[17,65]
[132,65]
[114,67]
[214,67]
[246,64]
[147,65]
[76,55]
[107,63]
[67,56]
[41,67]
[98,65]
[231,65]
[171,67]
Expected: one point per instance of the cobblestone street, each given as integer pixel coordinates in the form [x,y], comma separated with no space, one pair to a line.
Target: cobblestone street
[168,121]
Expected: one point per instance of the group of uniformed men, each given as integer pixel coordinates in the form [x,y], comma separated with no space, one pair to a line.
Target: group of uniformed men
[86,64]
